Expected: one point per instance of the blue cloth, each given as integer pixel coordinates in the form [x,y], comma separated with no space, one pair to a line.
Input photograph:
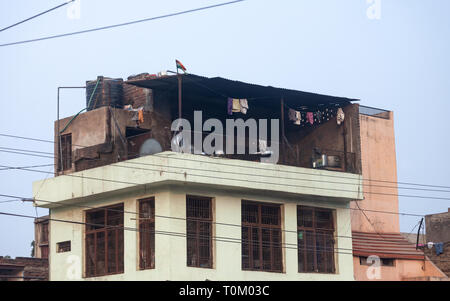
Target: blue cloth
[439,248]
[230,106]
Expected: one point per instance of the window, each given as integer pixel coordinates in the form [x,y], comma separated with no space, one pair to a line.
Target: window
[65,162]
[388,262]
[147,234]
[44,233]
[199,232]
[63,247]
[42,240]
[315,230]
[261,237]
[104,241]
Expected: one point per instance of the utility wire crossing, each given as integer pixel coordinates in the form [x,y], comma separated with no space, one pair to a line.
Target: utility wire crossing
[121,24]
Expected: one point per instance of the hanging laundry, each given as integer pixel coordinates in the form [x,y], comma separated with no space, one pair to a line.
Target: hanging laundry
[230,106]
[310,117]
[319,116]
[340,116]
[244,105]
[295,116]
[141,115]
[236,105]
[439,246]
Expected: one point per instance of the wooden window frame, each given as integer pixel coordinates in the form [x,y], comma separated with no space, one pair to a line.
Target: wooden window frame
[105,229]
[146,228]
[63,246]
[194,237]
[316,234]
[250,243]
[65,163]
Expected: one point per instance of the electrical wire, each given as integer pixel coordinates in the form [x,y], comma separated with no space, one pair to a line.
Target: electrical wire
[35,16]
[221,178]
[121,24]
[253,168]
[219,239]
[158,216]
[262,175]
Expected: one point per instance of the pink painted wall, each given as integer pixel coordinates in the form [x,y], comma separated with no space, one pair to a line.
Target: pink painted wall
[378,158]
[403,270]
[378,162]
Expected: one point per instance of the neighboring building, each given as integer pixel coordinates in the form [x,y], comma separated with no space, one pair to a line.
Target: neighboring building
[438,231]
[125,215]
[438,227]
[23,269]
[41,237]
[375,232]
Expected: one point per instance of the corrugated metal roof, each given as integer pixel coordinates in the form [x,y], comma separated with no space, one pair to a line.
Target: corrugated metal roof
[221,87]
[384,245]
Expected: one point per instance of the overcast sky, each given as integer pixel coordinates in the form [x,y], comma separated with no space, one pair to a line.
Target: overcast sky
[399,62]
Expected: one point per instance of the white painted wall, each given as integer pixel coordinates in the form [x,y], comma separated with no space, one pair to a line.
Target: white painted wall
[170,259]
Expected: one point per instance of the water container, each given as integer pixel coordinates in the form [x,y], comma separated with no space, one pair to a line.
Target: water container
[109,92]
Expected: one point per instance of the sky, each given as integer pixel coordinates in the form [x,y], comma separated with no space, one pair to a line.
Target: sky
[395,59]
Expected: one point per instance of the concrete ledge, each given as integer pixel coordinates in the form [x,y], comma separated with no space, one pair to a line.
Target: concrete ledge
[170,167]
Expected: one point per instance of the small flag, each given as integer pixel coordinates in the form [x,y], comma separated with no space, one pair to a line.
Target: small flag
[180,66]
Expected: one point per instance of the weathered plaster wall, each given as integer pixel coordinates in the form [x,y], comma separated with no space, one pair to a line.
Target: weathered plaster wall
[378,159]
[170,259]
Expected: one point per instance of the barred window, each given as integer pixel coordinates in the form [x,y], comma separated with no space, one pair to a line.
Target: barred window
[261,237]
[104,241]
[199,231]
[147,234]
[315,230]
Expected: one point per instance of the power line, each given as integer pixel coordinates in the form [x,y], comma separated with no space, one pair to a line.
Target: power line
[214,238]
[35,16]
[253,168]
[122,24]
[240,173]
[169,217]
[219,178]
[20,167]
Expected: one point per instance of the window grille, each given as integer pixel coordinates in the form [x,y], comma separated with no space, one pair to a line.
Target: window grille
[261,237]
[199,232]
[315,235]
[104,241]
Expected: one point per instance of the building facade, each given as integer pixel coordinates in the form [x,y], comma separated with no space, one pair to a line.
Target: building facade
[375,219]
[120,210]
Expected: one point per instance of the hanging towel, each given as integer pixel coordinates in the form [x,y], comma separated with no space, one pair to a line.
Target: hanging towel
[292,115]
[295,116]
[141,115]
[439,246]
[298,118]
[310,117]
[340,116]
[230,106]
[236,105]
[244,105]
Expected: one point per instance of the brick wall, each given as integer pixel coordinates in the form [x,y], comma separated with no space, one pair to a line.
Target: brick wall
[442,261]
[135,96]
[34,268]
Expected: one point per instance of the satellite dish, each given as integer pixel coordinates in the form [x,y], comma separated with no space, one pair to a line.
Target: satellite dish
[150,147]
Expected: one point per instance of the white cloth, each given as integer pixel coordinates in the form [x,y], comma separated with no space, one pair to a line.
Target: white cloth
[340,116]
[244,105]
